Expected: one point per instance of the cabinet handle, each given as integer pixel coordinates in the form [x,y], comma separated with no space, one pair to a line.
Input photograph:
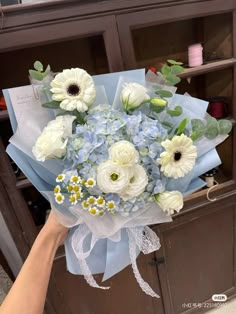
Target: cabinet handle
[157,261]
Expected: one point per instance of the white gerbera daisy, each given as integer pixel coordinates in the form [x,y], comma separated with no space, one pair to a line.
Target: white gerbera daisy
[74,88]
[179,156]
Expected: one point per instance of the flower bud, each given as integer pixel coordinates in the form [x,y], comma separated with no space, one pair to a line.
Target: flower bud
[133,95]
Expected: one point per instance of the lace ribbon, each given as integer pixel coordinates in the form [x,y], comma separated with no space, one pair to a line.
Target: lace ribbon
[142,238]
[77,245]
[147,241]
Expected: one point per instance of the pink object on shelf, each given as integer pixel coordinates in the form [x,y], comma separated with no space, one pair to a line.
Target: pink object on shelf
[195,55]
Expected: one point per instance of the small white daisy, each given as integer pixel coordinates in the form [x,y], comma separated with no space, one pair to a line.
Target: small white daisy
[75,179]
[93,211]
[85,205]
[57,189]
[110,205]
[90,183]
[100,202]
[60,177]
[91,200]
[76,188]
[79,195]
[73,199]
[70,188]
[179,156]
[59,198]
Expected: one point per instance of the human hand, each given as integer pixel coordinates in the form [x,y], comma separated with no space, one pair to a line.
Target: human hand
[54,229]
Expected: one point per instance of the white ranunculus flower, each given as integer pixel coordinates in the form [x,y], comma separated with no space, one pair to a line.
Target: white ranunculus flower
[123,153]
[137,183]
[74,88]
[113,178]
[133,95]
[170,201]
[53,140]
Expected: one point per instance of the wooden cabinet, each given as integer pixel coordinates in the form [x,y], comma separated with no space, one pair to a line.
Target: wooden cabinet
[196,259]
[199,257]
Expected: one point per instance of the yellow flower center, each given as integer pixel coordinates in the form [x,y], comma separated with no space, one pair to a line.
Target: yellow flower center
[56,189]
[76,188]
[72,198]
[90,182]
[91,200]
[93,211]
[100,200]
[85,204]
[70,188]
[59,198]
[110,205]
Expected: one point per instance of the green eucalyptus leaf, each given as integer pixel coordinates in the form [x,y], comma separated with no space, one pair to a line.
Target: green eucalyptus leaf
[38,66]
[177,111]
[176,69]
[196,135]
[182,126]
[51,105]
[197,125]
[224,126]
[156,88]
[172,79]
[157,109]
[211,133]
[174,62]
[166,69]
[36,75]
[164,93]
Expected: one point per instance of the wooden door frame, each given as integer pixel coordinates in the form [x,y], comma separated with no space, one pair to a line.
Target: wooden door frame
[67,29]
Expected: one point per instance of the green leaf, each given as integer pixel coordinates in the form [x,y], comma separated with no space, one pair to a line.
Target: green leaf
[36,75]
[224,126]
[51,105]
[47,71]
[196,135]
[175,112]
[166,69]
[172,79]
[197,125]
[157,109]
[156,88]
[211,133]
[176,69]
[164,93]
[38,66]
[182,126]
[167,124]
[174,62]
[198,129]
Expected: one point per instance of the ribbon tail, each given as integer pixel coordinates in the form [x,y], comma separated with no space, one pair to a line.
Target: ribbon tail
[77,247]
[132,251]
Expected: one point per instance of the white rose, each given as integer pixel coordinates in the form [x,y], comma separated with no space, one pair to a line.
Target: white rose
[133,95]
[137,183]
[170,201]
[123,153]
[112,178]
[53,140]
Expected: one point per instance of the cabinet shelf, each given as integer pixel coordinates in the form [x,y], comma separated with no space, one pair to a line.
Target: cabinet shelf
[3,115]
[208,67]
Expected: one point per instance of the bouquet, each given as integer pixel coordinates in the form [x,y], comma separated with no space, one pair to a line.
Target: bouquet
[113,154]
